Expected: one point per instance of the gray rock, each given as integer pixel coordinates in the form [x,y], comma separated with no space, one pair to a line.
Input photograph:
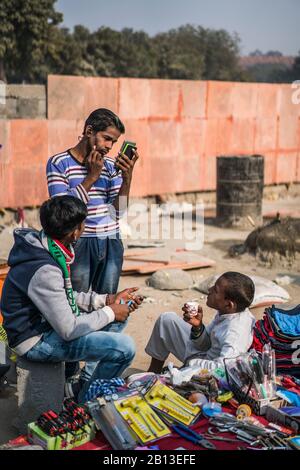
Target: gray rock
[171,279]
[40,388]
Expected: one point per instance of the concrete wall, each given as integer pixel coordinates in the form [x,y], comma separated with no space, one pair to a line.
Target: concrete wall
[23,101]
[180,127]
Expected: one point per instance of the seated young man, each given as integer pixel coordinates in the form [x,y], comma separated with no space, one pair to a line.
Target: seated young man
[45,320]
[228,335]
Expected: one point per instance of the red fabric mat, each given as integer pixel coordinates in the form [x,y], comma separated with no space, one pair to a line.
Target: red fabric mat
[174,441]
[168,443]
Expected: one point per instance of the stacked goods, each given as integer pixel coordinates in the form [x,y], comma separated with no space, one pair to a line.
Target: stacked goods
[280,328]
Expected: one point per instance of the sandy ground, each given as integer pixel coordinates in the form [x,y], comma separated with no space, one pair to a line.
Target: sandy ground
[217,242]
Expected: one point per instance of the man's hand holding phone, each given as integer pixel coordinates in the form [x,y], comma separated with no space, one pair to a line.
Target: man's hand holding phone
[126,159]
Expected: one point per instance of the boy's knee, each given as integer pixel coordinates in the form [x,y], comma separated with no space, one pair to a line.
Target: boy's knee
[168,317]
[128,347]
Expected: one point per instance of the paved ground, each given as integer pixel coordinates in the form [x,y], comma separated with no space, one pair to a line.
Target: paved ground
[217,241]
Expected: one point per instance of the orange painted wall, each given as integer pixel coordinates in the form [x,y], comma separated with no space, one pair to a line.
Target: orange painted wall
[180,127]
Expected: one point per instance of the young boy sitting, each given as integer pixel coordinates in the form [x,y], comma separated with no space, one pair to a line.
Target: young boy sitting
[45,320]
[228,335]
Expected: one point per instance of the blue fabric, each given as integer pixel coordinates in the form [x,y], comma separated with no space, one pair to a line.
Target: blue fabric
[113,352]
[288,323]
[100,387]
[89,368]
[291,397]
[98,264]
[291,410]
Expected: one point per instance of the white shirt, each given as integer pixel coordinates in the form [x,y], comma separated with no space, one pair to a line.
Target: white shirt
[228,335]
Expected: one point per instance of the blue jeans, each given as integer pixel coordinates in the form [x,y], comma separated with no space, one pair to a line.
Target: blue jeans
[113,353]
[97,265]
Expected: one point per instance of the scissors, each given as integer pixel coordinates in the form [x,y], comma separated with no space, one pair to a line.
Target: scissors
[190,435]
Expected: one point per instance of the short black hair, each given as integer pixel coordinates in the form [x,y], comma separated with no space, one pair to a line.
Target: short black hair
[240,289]
[62,214]
[102,118]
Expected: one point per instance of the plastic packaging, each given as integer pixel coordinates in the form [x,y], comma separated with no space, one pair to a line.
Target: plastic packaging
[112,425]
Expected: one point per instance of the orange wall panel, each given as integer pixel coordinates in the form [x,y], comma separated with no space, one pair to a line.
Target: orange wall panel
[134,98]
[268,96]
[243,135]
[137,131]
[266,130]
[29,142]
[63,134]
[270,167]
[100,92]
[210,170]
[298,168]
[193,95]
[286,167]
[191,138]
[286,105]
[164,99]
[7,198]
[189,174]
[164,138]
[30,187]
[224,138]
[180,127]
[5,150]
[163,175]
[66,97]
[288,132]
[219,99]
[244,100]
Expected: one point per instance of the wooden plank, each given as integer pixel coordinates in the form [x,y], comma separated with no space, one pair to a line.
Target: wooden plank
[147,260]
[145,268]
[136,252]
[184,266]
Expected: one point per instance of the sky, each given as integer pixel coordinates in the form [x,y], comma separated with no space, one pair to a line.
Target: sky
[260,24]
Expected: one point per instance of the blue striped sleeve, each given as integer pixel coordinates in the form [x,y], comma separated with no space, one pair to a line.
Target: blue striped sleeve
[58,184]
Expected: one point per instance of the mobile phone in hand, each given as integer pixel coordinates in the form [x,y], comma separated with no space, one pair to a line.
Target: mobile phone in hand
[128,148]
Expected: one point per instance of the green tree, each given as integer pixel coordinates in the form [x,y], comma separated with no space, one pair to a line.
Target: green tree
[196,53]
[27,30]
[222,56]
[180,53]
[126,53]
[295,72]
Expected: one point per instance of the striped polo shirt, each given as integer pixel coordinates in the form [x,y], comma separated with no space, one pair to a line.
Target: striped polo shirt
[65,175]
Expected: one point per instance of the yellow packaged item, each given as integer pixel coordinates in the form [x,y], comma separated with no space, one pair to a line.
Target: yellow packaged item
[141,419]
[170,403]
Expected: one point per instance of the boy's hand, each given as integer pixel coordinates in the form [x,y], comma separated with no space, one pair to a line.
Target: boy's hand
[194,320]
[126,296]
[94,164]
[122,311]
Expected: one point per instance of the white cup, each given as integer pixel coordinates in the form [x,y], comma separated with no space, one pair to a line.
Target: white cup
[192,308]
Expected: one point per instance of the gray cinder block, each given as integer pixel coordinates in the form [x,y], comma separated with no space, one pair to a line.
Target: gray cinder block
[40,388]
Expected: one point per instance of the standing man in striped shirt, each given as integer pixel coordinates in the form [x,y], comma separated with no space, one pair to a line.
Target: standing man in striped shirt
[86,172]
